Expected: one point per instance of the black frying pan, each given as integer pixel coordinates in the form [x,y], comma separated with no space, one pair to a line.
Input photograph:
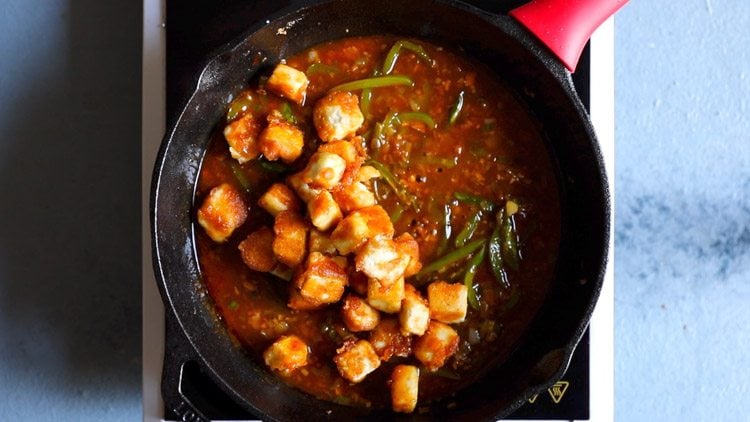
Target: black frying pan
[541,82]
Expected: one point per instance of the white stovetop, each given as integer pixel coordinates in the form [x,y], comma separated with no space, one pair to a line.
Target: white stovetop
[154,116]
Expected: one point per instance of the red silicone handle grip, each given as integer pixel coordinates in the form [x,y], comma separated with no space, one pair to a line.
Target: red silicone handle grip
[565,25]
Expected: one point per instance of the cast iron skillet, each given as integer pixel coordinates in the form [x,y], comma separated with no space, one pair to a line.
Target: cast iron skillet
[540,81]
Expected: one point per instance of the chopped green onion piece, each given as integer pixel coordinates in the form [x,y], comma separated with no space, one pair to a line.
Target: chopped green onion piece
[390,58]
[456,109]
[468,198]
[510,242]
[471,271]
[233,305]
[287,113]
[398,211]
[447,229]
[365,98]
[451,257]
[240,175]
[377,139]
[417,116]
[238,106]
[494,248]
[375,82]
[272,166]
[446,373]
[405,196]
[468,231]
[321,68]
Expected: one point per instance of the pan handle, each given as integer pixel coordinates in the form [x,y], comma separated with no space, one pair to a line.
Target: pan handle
[565,26]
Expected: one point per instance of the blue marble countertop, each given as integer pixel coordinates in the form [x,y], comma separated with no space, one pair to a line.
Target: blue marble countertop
[70,283]
[682,231]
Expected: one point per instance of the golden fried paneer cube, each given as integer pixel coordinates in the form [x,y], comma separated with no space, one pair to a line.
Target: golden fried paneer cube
[381,260]
[438,343]
[301,303]
[324,211]
[366,173]
[288,82]
[414,317]
[356,359]
[324,170]
[385,298]
[406,244]
[404,388]
[323,279]
[257,250]
[337,116]
[359,226]
[343,149]
[222,212]
[290,241]
[279,197]
[303,189]
[286,354]
[358,315]
[281,140]
[321,242]
[242,137]
[388,340]
[448,301]
[354,196]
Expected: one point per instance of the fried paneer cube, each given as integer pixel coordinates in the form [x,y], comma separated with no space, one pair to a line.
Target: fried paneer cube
[359,226]
[288,82]
[242,137]
[337,116]
[414,317]
[290,241]
[303,189]
[257,250]
[301,303]
[279,197]
[350,154]
[324,278]
[324,211]
[385,298]
[358,315]
[366,173]
[343,149]
[406,244]
[436,345]
[380,259]
[354,196]
[448,301]
[324,170]
[222,212]
[388,340]
[404,388]
[281,140]
[286,354]
[355,360]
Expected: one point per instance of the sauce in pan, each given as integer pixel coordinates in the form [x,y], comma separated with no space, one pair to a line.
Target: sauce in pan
[455,162]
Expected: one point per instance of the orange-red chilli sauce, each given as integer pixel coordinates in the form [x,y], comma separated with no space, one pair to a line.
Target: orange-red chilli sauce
[493,149]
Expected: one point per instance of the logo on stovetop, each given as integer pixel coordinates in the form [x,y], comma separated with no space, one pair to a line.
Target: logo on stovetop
[556,392]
